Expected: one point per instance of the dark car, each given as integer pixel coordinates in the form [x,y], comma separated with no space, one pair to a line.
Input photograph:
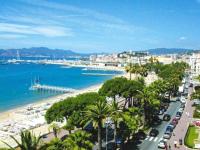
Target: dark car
[154,132]
[182,106]
[166,117]
[140,135]
[178,115]
[169,129]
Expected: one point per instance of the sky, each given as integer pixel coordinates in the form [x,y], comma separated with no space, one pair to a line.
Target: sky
[100,25]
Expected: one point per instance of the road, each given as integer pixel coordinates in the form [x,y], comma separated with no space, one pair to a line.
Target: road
[151,143]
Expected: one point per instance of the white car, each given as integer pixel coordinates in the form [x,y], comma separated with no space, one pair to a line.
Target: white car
[181,110]
[162,144]
[167,135]
[183,100]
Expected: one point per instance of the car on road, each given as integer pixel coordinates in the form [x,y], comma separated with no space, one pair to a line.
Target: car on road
[169,129]
[178,115]
[167,135]
[172,126]
[154,132]
[162,144]
[166,117]
[182,106]
[174,121]
[181,110]
[183,100]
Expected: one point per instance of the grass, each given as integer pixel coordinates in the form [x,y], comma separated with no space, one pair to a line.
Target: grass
[197,112]
[190,137]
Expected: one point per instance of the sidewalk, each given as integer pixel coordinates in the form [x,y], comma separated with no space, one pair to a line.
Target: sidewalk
[182,126]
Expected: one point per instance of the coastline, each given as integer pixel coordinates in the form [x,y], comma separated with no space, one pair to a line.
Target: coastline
[14,115]
[18,115]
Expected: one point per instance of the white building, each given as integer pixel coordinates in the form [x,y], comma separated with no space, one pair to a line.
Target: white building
[194,62]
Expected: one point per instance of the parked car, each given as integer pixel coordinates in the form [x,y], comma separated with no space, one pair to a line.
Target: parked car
[182,106]
[181,110]
[166,117]
[169,129]
[178,115]
[154,132]
[172,126]
[183,100]
[162,144]
[174,121]
[167,135]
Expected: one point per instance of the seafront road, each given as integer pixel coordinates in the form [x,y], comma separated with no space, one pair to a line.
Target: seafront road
[181,129]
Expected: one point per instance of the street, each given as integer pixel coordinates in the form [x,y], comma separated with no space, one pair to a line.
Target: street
[151,143]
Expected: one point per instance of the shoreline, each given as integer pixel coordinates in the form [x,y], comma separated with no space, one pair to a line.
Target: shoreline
[15,116]
[19,116]
[51,99]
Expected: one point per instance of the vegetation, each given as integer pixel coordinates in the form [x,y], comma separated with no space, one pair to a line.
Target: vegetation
[197,112]
[190,137]
[28,141]
[137,111]
[96,113]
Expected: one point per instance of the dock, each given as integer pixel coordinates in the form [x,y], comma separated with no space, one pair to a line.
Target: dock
[49,88]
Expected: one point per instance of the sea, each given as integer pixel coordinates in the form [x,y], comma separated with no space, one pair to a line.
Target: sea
[16,80]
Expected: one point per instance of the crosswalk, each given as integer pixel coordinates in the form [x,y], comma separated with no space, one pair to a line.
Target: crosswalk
[153,139]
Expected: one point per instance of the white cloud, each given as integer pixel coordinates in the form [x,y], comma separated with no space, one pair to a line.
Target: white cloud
[182,38]
[11,36]
[48,31]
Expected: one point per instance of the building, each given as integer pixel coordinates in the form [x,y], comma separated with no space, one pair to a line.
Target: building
[194,62]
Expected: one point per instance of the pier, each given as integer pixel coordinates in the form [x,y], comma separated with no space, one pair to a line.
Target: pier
[50,88]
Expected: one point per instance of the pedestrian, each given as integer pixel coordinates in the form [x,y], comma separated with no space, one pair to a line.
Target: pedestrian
[175,144]
[169,147]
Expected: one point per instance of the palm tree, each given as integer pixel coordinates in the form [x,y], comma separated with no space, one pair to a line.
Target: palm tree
[116,115]
[28,141]
[80,140]
[149,102]
[55,129]
[96,113]
[55,144]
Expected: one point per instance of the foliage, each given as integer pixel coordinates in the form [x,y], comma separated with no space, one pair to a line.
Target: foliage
[197,112]
[96,113]
[80,140]
[113,87]
[132,118]
[55,144]
[190,137]
[28,141]
[56,129]
[66,108]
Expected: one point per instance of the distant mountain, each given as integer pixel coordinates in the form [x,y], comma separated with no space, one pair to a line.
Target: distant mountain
[38,52]
[160,51]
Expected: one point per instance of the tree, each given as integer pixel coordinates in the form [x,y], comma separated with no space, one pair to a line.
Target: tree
[28,141]
[116,115]
[55,144]
[55,128]
[132,118]
[113,87]
[149,104]
[96,113]
[80,140]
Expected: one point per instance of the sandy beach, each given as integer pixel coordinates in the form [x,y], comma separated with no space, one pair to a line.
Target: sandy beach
[16,116]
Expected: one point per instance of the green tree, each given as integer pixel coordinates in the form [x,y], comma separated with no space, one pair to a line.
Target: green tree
[28,141]
[55,128]
[116,115]
[80,140]
[113,87]
[149,104]
[96,113]
[55,144]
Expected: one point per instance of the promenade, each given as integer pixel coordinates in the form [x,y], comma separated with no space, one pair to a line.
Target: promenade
[182,126]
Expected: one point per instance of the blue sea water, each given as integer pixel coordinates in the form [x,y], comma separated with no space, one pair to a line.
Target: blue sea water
[15,80]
